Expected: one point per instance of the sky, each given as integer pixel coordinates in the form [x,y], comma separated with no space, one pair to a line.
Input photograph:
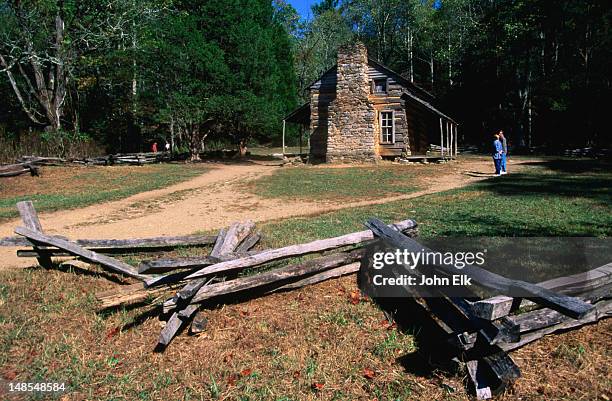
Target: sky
[303,7]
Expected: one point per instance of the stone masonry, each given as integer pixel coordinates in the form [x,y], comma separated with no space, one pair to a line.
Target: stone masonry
[351,115]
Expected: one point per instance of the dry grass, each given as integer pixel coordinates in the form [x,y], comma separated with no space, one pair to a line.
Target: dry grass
[309,344]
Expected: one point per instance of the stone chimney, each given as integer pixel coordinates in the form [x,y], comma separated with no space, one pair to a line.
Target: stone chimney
[351,115]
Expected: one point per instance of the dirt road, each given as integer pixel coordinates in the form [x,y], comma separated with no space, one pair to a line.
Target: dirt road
[209,201]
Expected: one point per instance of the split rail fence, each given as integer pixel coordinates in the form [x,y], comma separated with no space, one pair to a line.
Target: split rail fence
[478,333]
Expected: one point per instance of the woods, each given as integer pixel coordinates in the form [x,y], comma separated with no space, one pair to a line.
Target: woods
[125,73]
[129,72]
[537,69]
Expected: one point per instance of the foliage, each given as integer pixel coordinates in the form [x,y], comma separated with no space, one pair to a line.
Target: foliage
[130,71]
[535,68]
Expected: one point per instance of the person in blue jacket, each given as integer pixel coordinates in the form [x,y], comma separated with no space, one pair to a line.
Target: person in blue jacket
[498,151]
[504,158]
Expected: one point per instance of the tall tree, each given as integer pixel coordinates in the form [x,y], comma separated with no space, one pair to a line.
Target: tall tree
[36,55]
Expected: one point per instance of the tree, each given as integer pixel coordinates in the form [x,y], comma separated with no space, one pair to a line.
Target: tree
[228,72]
[36,54]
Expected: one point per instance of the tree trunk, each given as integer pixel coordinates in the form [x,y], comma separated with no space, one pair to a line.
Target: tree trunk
[450,61]
[171,134]
[194,144]
[431,69]
[50,91]
[410,56]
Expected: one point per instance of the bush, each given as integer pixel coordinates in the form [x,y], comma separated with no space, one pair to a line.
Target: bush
[60,144]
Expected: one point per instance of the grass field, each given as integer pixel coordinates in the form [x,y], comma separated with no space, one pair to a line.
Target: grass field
[556,198]
[314,343]
[71,187]
[316,183]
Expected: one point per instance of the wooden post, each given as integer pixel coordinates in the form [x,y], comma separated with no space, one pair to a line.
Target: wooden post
[284,123]
[30,219]
[441,139]
[448,148]
[456,135]
[452,153]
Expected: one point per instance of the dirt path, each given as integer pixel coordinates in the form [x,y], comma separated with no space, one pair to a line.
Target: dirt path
[209,201]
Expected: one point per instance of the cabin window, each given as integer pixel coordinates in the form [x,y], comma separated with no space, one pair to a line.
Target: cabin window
[379,86]
[387,127]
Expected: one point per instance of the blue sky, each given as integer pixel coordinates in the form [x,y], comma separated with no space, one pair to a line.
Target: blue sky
[303,6]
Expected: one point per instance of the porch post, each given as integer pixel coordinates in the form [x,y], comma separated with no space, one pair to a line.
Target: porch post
[441,139]
[456,135]
[452,153]
[283,138]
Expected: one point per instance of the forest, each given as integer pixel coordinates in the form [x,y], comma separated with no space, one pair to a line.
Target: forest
[115,75]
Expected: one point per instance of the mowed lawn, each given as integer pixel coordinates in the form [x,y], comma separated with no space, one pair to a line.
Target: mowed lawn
[549,198]
[72,187]
[314,343]
[347,183]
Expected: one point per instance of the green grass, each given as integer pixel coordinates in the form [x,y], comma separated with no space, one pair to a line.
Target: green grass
[54,333]
[335,183]
[552,199]
[98,185]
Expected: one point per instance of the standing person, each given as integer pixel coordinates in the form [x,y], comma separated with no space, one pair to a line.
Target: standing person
[504,158]
[154,147]
[167,147]
[497,154]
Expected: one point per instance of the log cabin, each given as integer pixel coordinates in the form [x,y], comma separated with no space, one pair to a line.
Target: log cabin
[360,110]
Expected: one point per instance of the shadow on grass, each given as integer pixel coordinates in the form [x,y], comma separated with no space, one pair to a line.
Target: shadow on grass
[434,353]
[503,226]
[595,186]
[573,166]
[70,268]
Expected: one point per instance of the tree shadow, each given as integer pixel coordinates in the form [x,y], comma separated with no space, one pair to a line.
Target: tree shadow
[529,184]
[573,166]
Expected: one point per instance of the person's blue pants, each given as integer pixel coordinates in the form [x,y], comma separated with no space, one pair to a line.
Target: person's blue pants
[498,163]
[503,162]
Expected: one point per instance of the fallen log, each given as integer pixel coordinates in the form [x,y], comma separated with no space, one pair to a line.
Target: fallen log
[567,305]
[289,251]
[71,247]
[546,317]
[320,277]
[128,294]
[22,169]
[168,265]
